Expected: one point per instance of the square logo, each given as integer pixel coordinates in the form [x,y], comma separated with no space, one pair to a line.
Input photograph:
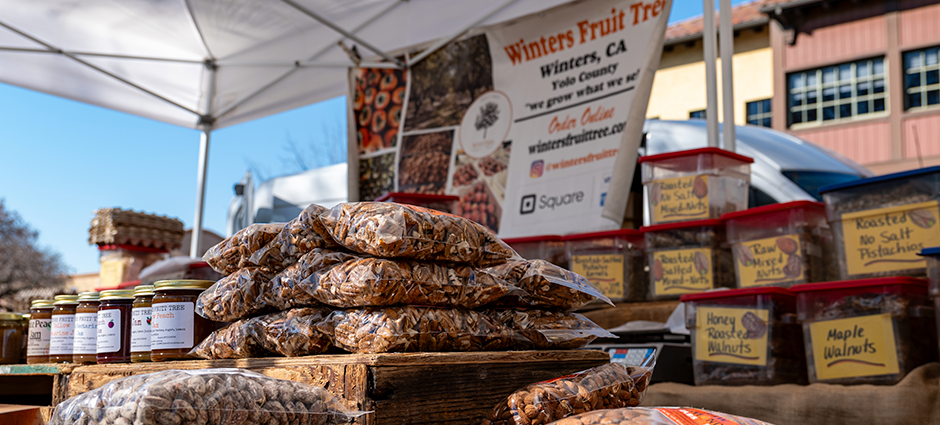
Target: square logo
[528,204]
[538,167]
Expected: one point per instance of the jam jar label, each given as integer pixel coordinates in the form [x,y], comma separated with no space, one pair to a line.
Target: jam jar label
[888,239]
[141,318]
[39,334]
[731,335]
[173,325]
[86,333]
[853,347]
[770,261]
[604,271]
[109,331]
[62,335]
[681,271]
[679,199]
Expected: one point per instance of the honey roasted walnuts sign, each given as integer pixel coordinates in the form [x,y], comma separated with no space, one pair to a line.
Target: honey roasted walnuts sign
[521,121]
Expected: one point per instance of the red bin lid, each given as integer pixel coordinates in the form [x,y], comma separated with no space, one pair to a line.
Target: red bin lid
[605,234]
[529,239]
[859,283]
[776,207]
[683,224]
[691,152]
[730,293]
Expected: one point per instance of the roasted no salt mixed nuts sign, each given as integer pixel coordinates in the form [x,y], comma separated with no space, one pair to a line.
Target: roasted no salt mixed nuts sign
[522,121]
[679,199]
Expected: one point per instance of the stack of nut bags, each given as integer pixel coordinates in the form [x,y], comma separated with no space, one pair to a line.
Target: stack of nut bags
[383,277]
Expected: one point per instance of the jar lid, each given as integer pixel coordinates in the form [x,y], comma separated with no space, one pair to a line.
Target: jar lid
[41,304]
[117,294]
[10,316]
[165,285]
[25,316]
[66,299]
[88,296]
[143,290]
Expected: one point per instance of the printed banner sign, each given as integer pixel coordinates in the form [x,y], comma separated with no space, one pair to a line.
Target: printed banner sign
[888,239]
[731,335]
[522,121]
[853,347]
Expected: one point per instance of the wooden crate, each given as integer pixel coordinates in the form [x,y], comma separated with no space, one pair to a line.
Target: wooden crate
[35,384]
[401,388]
[609,317]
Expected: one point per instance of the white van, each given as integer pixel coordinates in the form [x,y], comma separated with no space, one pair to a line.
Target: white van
[785,169]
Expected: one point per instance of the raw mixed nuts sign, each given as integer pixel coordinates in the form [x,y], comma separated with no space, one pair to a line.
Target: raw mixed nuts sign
[770,261]
[522,121]
[888,239]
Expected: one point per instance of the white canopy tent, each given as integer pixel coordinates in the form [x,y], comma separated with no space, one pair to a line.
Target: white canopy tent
[208,64]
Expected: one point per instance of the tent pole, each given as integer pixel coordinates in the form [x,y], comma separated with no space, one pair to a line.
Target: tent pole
[711,80]
[196,236]
[727,81]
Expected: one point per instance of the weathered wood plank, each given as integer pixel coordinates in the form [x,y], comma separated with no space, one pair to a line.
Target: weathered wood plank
[37,369]
[611,317]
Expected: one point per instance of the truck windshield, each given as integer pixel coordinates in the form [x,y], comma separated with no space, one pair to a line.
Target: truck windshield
[811,181]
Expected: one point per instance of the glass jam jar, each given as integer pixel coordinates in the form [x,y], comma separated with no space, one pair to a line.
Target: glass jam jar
[176,326]
[62,336]
[11,337]
[24,324]
[141,315]
[84,350]
[40,326]
[114,326]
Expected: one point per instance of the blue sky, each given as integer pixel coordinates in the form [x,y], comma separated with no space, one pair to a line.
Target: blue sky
[60,160]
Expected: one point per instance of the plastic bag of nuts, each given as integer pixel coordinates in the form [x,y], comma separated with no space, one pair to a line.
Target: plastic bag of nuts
[410,329]
[299,236]
[288,333]
[656,416]
[544,285]
[604,387]
[254,290]
[387,229]
[234,253]
[207,396]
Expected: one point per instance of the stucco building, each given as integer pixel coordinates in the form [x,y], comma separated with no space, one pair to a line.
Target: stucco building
[857,77]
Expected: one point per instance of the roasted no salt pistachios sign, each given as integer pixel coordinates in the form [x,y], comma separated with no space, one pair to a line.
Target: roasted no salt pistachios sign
[522,121]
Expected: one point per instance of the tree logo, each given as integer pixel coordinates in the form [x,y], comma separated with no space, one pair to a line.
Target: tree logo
[485,124]
[489,114]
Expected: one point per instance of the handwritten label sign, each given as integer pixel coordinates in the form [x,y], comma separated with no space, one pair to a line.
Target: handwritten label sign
[679,199]
[604,271]
[731,335]
[770,261]
[888,239]
[681,271]
[857,346]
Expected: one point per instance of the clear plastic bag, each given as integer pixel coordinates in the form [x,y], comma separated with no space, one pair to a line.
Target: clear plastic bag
[254,290]
[235,252]
[289,333]
[299,237]
[544,285]
[387,229]
[656,416]
[207,396]
[609,386]
[368,281]
[411,329]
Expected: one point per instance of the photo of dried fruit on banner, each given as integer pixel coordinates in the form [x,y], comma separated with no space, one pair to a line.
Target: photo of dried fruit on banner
[377,107]
[425,162]
[376,176]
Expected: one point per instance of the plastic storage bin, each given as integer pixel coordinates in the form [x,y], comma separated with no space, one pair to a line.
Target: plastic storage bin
[781,245]
[549,248]
[881,223]
[445,203]
[122,263]
[745,337]
[687,258]
[695,184]
[932,256]
[870,331]
[613,261]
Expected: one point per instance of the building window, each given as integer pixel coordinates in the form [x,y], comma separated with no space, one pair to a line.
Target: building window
[758,113]
[837,92]
[697,114]
[921,78]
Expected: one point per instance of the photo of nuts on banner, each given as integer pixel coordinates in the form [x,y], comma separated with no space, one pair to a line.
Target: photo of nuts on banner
[207,396]
[604,387]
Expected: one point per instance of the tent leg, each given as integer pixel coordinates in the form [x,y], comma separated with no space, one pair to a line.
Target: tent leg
[711,80]
[727,80]
[196,236]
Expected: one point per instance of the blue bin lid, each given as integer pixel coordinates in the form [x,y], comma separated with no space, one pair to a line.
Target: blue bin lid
[930,251]
[878,179]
